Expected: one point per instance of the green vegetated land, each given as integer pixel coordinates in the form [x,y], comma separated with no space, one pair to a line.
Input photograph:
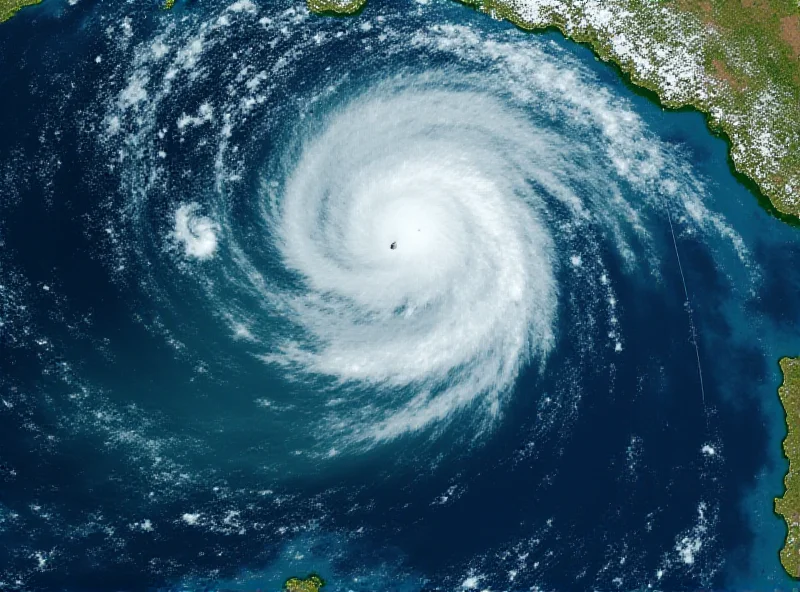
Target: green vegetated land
[9,8]
[737,61]
[788,506]
[313,583]
[341,7]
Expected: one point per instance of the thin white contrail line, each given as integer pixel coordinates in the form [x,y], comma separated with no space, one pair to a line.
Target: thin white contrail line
[688,308]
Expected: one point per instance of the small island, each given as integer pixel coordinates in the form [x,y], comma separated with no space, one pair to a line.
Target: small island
[313,583]
[788,506]
[9,8]
[340,7]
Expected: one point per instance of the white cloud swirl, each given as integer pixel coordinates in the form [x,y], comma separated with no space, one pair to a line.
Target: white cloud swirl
[468,294]
[512,180]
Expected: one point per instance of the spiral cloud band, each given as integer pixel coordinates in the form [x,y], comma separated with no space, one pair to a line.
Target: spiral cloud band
[409,242]
[413,300]
[466,295]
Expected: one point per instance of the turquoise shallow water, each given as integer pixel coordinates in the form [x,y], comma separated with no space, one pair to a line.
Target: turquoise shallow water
[216,373]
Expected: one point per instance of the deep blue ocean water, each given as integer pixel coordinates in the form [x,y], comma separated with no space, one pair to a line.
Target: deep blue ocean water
[176,411]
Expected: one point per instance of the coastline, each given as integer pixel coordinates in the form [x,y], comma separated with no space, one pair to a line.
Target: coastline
[758,115]
[788,505]
[713,97]
[336,7]
[9,8]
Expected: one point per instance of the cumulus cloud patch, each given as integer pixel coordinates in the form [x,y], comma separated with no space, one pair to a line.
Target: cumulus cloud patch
[195,233]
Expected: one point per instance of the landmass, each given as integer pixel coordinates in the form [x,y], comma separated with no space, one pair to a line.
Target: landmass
[9,8]
[737,61]
[340,7]
[788,506]
[312,583]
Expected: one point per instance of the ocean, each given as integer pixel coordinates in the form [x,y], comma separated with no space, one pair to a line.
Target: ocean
[215,373]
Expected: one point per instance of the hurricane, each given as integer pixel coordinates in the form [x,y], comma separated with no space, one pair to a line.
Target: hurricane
[324,248]
[422,225]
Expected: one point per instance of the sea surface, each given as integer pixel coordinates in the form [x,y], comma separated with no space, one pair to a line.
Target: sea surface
[413,300]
